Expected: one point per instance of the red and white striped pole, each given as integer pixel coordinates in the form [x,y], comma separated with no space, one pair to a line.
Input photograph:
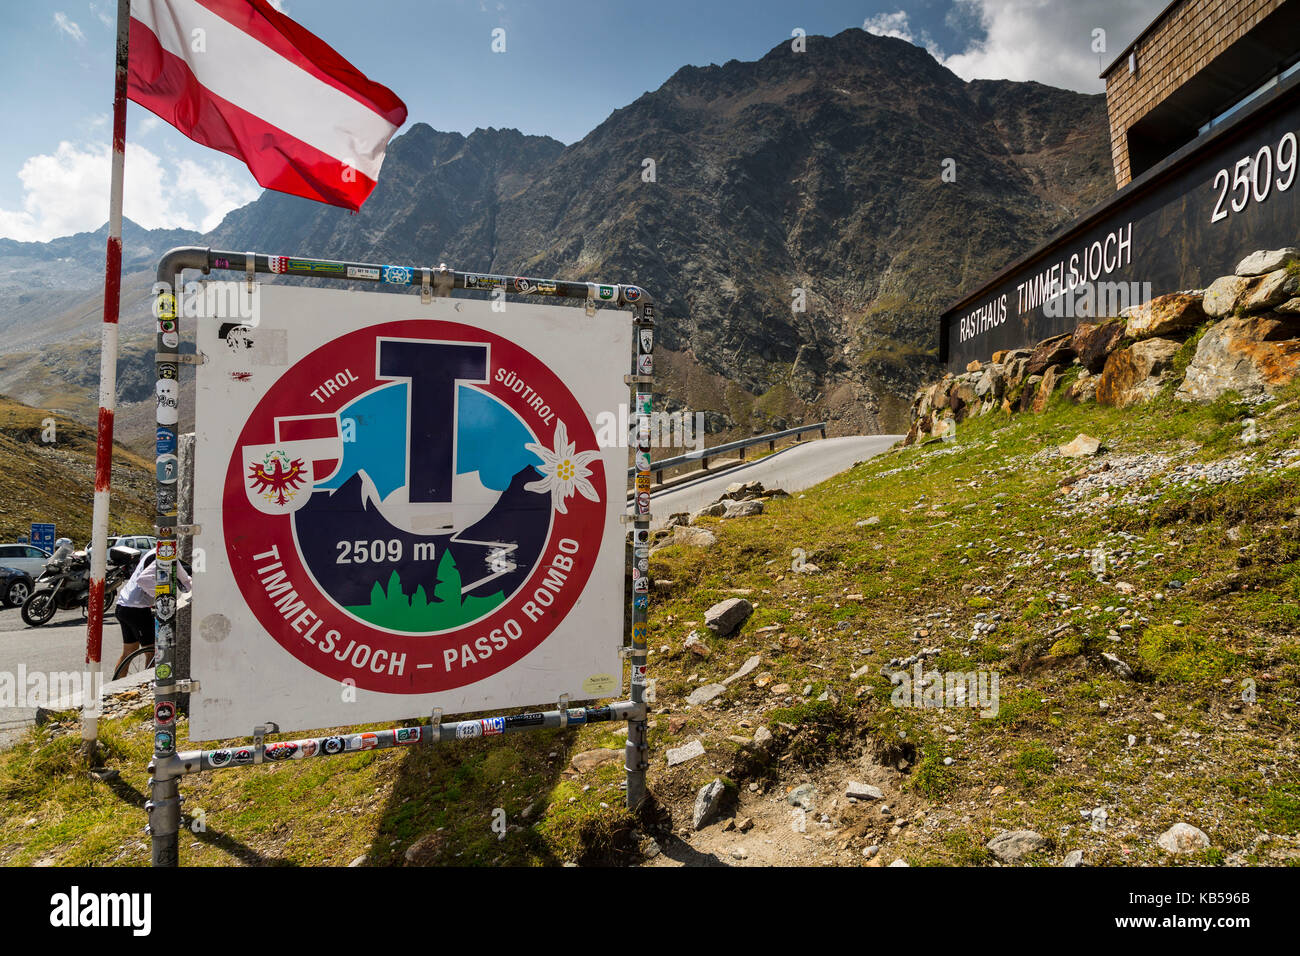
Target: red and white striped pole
[107,388]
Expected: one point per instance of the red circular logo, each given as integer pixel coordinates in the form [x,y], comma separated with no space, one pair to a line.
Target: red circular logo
[414,506]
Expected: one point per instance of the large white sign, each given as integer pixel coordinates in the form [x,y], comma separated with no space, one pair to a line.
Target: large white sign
[404,507]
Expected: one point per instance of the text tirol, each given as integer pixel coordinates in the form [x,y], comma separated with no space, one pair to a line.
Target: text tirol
[325,631]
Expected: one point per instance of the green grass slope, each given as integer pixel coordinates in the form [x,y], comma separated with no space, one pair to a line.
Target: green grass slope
[42,480]
[984,558]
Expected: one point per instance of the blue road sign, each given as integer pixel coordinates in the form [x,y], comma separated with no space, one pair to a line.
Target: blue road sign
[42,536]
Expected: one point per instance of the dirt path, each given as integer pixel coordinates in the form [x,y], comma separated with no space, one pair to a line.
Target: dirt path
[829,829]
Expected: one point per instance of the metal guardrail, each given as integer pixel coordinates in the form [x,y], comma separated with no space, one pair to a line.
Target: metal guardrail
[704,454]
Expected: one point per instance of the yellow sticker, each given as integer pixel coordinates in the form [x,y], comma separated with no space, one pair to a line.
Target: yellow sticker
[600,684]
[643,481]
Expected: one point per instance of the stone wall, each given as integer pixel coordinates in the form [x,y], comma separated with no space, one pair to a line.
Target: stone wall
[1248,325]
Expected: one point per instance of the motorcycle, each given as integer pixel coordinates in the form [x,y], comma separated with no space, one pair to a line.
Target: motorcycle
[64,583]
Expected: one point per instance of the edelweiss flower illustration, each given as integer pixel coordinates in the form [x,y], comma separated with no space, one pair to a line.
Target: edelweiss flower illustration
[564,471]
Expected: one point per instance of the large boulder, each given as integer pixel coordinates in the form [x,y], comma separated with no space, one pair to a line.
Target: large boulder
[1272,289]
[1251,355]
[1015,370]
[1093,342]
[702,695]
[1230,295]
[961,397]
[1084,388]
[1083,446]
[1135,374]
[1259,263]
[992,382]
[707,802]
[920,426]
[715,510]
[1046,387]
[1025,400]
[927,399]
[743,509]
[1012,846]
[1222,296]
[1183,838]
[725,616]
[1165,316]
[1053,351]
[690,537]
[742,491]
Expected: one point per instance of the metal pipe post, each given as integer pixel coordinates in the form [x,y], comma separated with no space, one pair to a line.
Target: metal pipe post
[164,805]
[164,802]
[643,317]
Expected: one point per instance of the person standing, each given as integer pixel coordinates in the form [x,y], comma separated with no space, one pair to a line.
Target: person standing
[134,609]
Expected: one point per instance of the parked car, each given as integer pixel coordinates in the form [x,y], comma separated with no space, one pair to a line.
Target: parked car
[24,557]
[15,585]
[141,542]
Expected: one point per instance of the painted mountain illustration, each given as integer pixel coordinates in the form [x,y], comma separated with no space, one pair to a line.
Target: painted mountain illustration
[422,583]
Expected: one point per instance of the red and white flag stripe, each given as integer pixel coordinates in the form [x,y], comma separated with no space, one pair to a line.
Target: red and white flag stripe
[241,77]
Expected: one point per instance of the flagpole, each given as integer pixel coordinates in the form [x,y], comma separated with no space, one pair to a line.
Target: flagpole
[107,389]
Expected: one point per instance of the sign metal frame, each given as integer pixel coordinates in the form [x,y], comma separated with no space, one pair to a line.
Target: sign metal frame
[169,764]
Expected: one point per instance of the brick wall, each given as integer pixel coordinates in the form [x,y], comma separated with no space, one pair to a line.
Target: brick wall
[1190,36]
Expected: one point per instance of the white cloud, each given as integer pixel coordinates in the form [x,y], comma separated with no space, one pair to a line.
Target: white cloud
[897,25]
[1049,41]
[69,27]
[889,25]
[102,14]
[67,192]
[217,191]
[1044,40]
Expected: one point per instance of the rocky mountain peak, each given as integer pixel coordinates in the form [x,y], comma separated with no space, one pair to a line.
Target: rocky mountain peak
[793,220]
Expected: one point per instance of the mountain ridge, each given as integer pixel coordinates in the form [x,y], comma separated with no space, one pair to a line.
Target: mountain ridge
[819,172]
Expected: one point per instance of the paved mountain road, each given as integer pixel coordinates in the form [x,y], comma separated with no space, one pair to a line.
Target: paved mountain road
[791,469]
[57,647]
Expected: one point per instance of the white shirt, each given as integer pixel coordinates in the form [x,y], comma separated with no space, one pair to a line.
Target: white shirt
[138,591]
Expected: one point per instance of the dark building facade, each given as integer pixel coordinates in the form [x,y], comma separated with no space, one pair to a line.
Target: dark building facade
[1204,111]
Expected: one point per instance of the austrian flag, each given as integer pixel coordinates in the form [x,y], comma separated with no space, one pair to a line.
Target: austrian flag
[241,77]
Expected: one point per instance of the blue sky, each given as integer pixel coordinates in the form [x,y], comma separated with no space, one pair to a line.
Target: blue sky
[567,65]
